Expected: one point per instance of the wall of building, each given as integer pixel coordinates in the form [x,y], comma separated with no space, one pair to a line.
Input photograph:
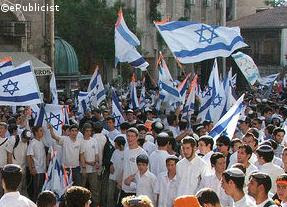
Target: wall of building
[284,47]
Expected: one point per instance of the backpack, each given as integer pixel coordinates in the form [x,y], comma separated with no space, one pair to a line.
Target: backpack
[107,154]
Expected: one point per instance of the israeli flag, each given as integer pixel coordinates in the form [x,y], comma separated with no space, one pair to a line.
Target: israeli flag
[117,112]
[247,67]
[188,108]
[142,101]
[125,45]
[192,42]
[94,80]
[134,103]
[268,80]
[19,86]
[96,94]
[213,107]
[34,111]
[82,107]
[167,87]
[57,179]
[228,123]
[182,88]
[53,89]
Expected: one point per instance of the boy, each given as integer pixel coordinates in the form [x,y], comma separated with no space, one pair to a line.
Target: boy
[116,170]
[166,185]
[143,181]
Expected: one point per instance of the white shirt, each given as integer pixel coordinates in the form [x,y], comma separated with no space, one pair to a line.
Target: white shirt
[283,204]
[118,162]
[130,166]
[273,171]
[14,199]
[264,202]
[175,131]
[157,161]
[71,151]
[189,174]
[146,185]
[206,158]
[233,159]
[149,147]
[3,151]
[101,141]
[212,181]
[19,153]
[36,149]
[113,134]
[246,201]
[166,189]
[90,149]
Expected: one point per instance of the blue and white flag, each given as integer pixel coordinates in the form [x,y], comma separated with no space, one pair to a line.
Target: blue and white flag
[53,89]
[57,179]
[142,100]
[228,123]
[94,80]
[215,99]
[117,112]
[229,91]
[182,88]
[192,42]
[134,103]
[268,80]
[34,111]
[189,106]
[167,87]
[82,106]
[18,86]
[125,45]
[56,115]
[247,67]
[96,94]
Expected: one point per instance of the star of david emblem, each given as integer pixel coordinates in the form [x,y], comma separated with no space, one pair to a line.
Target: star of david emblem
[206,34]
[57,117]
[207,92]
[117,118]
[11,87]
[216,101]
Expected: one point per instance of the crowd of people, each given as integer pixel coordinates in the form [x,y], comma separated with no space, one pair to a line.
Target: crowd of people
[151,159]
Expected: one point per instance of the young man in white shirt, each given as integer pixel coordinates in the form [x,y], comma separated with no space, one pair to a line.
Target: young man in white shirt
[265,155]
[130,155]
[36,156]
[71,151]
[116,171]
[205,146]
[166,183]
[158,157]
[232,182]
[213,181]
[259,187]
[144,182]
[89,162]
[281,183]
[243,156]
[112,131]
[11,178]
[190,169]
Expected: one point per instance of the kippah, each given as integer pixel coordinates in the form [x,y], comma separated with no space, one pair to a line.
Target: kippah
[235,172]
[265,148]
[11,168]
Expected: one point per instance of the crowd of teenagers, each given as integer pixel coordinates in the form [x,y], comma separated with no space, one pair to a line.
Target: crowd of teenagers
[152,159]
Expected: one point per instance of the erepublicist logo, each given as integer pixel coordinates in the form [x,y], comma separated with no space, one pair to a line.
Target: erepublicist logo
[31,7]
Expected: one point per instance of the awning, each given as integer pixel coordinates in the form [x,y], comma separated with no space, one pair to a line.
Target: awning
[40,68]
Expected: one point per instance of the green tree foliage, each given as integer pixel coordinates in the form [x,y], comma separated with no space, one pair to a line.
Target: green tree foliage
[275,3]
[88,26]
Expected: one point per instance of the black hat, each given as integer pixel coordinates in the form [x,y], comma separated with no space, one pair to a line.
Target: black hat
[11,168]
[120,140]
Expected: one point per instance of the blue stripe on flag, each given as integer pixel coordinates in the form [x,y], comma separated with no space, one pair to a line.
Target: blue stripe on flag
[40,117]
[169,89]
[100,94]
[217,46]
[126,36]
[161,97]
[220,128]
[84,105]
[16,72]
[95,81]
[6,64]
[23,98]
[175,25]
[116,101]
[138,62]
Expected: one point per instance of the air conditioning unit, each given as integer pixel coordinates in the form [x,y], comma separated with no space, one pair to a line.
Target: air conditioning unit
[15,29]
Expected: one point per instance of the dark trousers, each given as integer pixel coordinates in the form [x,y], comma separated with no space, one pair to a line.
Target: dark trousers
[76,175]
[38,182]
